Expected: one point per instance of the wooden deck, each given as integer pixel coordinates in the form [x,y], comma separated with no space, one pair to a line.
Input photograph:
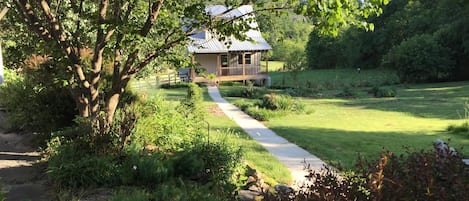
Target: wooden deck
[260,76]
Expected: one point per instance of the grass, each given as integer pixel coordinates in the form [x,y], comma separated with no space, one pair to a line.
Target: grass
[274,66]
[254,154]
[334,78]
[339,128]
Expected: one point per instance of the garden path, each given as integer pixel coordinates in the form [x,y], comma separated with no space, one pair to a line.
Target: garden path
[20,174]
[292,156]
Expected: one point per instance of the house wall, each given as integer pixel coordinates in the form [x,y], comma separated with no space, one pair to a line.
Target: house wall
[251,69]
[207,61]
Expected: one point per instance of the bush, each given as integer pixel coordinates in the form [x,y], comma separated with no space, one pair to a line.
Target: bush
[261,114]
[35,107]
[420,59]
[463,128]
[37,100]
[379,92]
[160,124]
[280,102]
[73,167]
[438,174]
[347,92]
[145,169]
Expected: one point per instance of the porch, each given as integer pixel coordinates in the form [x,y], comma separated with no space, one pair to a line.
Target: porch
[232,66]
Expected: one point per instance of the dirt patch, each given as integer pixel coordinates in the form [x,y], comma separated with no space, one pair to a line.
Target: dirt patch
[216,111]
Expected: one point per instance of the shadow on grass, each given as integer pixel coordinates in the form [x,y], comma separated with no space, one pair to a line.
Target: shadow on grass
[443,101]
[336,146]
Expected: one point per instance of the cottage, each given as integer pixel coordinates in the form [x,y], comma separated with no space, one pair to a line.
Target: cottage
[238,61]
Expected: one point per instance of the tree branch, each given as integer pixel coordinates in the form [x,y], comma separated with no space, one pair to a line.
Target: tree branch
[32,20]
[155,11]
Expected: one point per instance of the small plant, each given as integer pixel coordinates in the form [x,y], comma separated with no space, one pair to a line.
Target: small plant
[380,92]
[249,91]
[347,92]
[464,127]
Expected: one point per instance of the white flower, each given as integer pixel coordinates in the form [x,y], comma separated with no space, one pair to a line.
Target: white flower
[134,167]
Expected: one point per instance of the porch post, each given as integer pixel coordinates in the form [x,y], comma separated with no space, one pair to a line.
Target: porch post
[267,62]
[244,68]
[192,72]
[218,64]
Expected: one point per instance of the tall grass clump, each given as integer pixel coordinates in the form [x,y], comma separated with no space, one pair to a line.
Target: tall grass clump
[464,127]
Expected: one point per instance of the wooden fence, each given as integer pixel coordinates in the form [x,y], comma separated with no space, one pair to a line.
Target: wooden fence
[156,81]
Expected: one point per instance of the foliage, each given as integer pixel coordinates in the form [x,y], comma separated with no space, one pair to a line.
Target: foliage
[174,190]
[425,175]
[274,101]
[130,195]
[419,59]
[35,100]
[463,128]
[161,125]
[71,165]
[2,194]
[347,92]
[379,92]
[123,38]
[262,114]
[401,21]
[327,79]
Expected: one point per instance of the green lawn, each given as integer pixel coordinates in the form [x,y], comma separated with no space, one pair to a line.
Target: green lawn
[334,78]
[339,129]
[254,154]
[274,66]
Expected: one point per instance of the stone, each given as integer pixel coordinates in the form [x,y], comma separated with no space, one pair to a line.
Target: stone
[247,195]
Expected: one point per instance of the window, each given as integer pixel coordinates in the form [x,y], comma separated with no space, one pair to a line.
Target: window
[224,60]
[247,58]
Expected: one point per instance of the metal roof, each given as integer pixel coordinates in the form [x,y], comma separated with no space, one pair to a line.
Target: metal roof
[206,43]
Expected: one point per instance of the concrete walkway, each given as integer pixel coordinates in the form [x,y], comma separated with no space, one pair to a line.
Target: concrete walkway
[287,153]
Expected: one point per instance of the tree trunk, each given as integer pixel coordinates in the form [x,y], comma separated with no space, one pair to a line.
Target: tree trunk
[111,106]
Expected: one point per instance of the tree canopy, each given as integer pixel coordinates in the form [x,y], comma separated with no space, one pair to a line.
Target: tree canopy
[406,27]
[97,47]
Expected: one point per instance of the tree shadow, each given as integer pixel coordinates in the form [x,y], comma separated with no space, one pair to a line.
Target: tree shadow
[341,146]
[426,101]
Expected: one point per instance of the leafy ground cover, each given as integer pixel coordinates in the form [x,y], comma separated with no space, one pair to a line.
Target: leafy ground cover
[341,128]
[253,153]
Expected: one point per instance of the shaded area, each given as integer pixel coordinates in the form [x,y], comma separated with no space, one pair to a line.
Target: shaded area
[20,174]
[443,101]
[342,146]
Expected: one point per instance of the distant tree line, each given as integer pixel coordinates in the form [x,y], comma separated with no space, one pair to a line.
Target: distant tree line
[423,40]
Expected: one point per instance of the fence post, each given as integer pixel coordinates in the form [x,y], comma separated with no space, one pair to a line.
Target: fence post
[169,80]
[157,81]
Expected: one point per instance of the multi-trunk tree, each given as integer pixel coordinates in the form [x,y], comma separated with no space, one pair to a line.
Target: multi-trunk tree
[87,39]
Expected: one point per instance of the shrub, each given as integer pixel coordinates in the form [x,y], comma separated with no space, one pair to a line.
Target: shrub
[36,107]
[261,114]
[145,169]
[281,102]
[37,99]
[463,128]
[130,195]
[161,125]
[72,167]
[419,59]
[379,92]
[249,91]
[438,174]
[347,92]
[214,161]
